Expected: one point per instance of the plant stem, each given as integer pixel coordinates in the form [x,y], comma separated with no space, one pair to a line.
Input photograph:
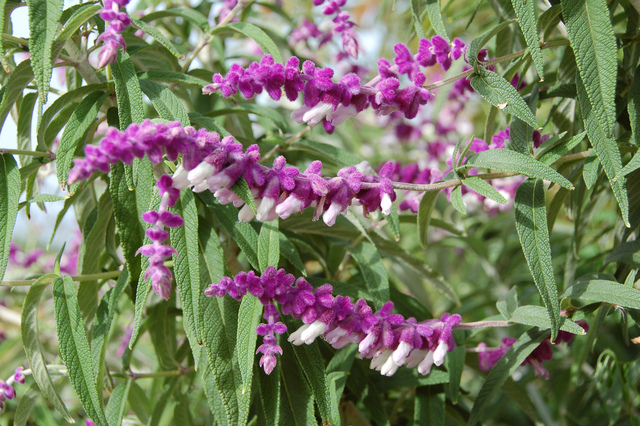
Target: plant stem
[78,278]
[50,155]
[482,324]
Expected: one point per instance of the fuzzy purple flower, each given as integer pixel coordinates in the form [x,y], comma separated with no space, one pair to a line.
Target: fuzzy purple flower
[112,38]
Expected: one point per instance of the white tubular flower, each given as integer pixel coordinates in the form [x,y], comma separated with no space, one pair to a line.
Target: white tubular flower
[389,368]
[180,180]
[415,357]
[201,172]
[266,210]
[246,213]
[380,359]
[290,205]
[386,204]
[400,355]
[424,367]
[294,338]
[342,114]
[315,329]
[334,335]
[366,343]
[439,353]
[329,217]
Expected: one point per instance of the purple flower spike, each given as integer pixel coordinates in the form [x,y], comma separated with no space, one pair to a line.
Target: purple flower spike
[112,38]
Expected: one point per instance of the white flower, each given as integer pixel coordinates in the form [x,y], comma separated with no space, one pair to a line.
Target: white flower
[201,172]
[400,355]
[440,352]
[424,367]
[389,368]
[246,213]
[366,343]
[331,214]
[385,204]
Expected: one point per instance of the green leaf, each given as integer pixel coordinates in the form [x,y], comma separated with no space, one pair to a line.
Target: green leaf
[632,165]
[456,200]
[455,364]
[633,106]
[19,78]
[508,303]
[528,21]
[503,370]
[128,92]
[507,160]
[33,348]
[186,270]
[43,26]
[242,233]
[163,333]
[242,190]
[79,17]
[191,15]
[158,36]
[270,396]
[606,148]
[208,123]
[521,135]
[429,406]
[373,271]
[415,17]
[590,170]
[484,188]
[9,197]
[173,77]
[28,400]
[533,231]
[165,102]
[269,245]
[500,93]
[339,156]
[42,198]
[117,405]
[25,118]
[3,13]
[603,291]
[551,155]
[288,251]
[435,16]
[536,316]
[425,211]
[477,43]
[260,110]
[74,348]
[75,130]
[248,319]
[296,399]
[594,45]
[312,365]
[253,32]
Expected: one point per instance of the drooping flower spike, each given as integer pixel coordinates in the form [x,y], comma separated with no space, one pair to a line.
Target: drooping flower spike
[113,12]
[388,339]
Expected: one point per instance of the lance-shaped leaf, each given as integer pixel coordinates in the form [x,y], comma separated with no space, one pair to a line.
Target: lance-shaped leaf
[253,32]
[500,93]
[186,270]
[269,245]
[594,45]
[536,316]
[429,405]
[128,92]
[9,198]
[248,319]
[503,370]
[373,270]
[435,16]
[606,149]
[33,348]
[425,210]
[116,407]
[634,108]
[533,231]
[507,160]
[599,291]
[484,188]
[312,365]
[165,102]
[74,348]
[528,21]
[157,34]
[477,43]
[191,15]
[19,78]
[43,26]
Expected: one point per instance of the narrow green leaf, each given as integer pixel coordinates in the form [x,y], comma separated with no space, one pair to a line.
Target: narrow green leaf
[25,117]
[33,347]
[27,401]
[435,16]
[632,165]
[507,160]
[186,270]
[191,15]
[79,17]
[599,291]
[429,406]
[500,93]
[478,42]
[75,130]
[594,44]
[533,231]
[128,92]
[139,403]
[248,319]
[19,78]
[9,197]
[208,123]
[528,21]
[165,102]
[339,156]
[425,211]
[536,316]
[549,156]
[520,134]
[43,26]
[74,348]
[312,366]
[269,113]
[503,370]
[373,271]
[163,333]
[508,303]
[296,399]
[117,405]
[255,33]
[590,170]
[456,200]
[605,147]
[288,251]
[270,396]
[173,77]
[158,36]
[337,373]
[269,245]
[484,188]
[415,17]
[633,105]
[242,190]
[455,364]
[43,198]
[3,13]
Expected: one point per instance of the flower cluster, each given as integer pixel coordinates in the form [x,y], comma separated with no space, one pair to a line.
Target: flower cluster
[488,357]
[331,102]
[22,259]
[6,389]
[343,26]
[388,339]
[112,36]
[214,164]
